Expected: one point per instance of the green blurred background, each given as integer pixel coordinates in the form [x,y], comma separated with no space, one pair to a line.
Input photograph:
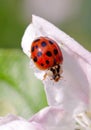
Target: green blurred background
[20,92]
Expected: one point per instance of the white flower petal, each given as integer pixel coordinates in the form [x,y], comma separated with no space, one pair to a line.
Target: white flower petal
[38,73]
[27,39]
[73,89]
[8,118]
[54,118]
[12,122]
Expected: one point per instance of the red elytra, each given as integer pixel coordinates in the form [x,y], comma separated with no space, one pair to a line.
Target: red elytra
[46,53]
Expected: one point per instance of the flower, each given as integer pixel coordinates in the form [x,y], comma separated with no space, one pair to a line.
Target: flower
[72,92]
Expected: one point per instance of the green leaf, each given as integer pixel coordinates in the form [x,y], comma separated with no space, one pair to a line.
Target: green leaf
[20,91]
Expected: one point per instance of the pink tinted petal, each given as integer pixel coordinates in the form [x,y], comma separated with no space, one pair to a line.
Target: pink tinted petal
[73,89]
[54,118]
[13,122]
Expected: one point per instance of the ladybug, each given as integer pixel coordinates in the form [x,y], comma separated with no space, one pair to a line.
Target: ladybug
[47,55]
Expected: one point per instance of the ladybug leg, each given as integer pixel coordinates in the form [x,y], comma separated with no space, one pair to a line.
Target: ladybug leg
[48,73]
[61,77]
[45,75]
[61,71]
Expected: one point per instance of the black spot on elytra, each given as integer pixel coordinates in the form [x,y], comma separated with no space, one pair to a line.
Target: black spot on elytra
[36,40]
[51,42]
[42,64]
[54,61]
[43,44]
[55,51]
[36,46]
[39,53]
[47,62]
[48,53]
[35,59]
[61,58]
[32,49]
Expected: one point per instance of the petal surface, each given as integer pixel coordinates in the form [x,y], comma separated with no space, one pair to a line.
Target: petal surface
[54,118]
[13,122]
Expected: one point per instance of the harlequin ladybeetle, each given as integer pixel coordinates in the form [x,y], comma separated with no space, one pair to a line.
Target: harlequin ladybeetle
[47,55]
